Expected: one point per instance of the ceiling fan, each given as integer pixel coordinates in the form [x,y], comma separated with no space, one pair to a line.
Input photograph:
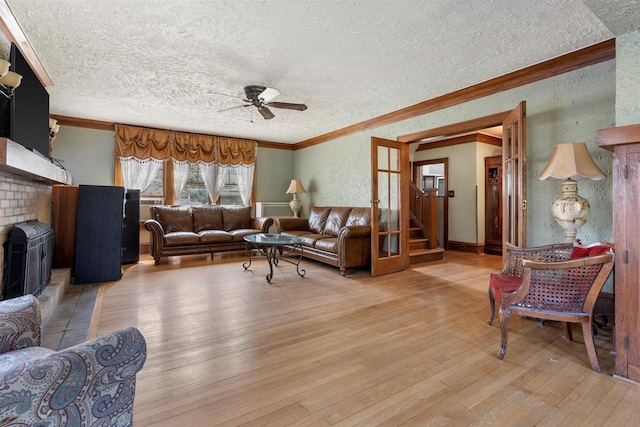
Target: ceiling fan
[260,97]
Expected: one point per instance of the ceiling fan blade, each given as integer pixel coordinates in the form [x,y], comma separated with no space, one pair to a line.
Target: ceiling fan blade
[287,105]
[268,94]
[266,113]
[233,108]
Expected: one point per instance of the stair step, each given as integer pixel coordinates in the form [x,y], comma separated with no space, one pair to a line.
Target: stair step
[415,233]
[425,255]
[418,244]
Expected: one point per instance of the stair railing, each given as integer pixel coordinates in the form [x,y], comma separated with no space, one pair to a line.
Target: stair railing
[424,211]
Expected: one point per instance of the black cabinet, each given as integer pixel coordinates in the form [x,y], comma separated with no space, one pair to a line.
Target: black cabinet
[131,228]
[99,233]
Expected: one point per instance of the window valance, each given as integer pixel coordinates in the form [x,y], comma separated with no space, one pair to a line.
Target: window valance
[233,151]
[144,143]
[193,148]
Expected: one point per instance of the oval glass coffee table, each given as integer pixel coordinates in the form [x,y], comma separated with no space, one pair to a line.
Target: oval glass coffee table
[269,245]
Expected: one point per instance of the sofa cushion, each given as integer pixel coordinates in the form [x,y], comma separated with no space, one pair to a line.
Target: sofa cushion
[179,238]
[238,235]
[295,233]
[214,236]
[236,217]
[311,239]
[207,217]
[329,244]
[336,220]
[359,216]
[318,219]
[174,218]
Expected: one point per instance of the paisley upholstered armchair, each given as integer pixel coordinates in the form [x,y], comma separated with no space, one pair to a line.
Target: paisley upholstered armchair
[92,383]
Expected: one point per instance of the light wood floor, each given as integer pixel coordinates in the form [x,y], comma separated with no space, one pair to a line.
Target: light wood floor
[413,348]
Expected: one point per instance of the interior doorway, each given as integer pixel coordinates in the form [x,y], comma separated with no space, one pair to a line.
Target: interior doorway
[428,174]
[513,147]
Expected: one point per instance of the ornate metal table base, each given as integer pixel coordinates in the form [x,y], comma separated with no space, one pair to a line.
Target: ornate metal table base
[269,245]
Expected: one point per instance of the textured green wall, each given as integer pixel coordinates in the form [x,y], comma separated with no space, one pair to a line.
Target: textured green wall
[566,108]
[86,153]
[628,79]
[274,173]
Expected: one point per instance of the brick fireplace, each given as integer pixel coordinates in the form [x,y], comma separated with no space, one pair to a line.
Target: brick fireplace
[26,182]
[21,200]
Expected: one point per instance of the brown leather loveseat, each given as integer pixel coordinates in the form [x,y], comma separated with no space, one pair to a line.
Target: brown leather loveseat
[339,236]
[186,230]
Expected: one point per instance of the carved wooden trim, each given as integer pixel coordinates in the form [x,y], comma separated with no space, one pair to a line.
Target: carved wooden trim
[83,123]
[457,128]
[464,139]
[591,55]
[275,145]
[10,27]
[607,138]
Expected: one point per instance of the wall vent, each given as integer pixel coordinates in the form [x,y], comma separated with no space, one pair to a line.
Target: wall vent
[273,209]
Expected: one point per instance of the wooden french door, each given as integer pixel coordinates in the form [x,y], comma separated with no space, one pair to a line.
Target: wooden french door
[389,206]
[514,183]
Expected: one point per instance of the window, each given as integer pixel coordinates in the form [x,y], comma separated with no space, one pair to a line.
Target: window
[230,194]
[194,191]
[154,191]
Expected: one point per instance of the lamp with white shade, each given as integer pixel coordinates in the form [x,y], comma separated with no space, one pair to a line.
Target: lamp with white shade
[295,187]
[8,79]
[570,162]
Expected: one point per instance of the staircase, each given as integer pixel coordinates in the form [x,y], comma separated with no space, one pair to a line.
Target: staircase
[424,223]
[419,250]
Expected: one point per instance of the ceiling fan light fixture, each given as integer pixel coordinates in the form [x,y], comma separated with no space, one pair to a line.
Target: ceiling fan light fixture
[260,97]
[268,94]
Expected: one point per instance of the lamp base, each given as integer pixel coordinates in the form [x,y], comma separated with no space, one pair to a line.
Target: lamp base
[570,210]
[295,206]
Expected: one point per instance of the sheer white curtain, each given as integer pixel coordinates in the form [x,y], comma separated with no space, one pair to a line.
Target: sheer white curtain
[245,182]
[180,172]
[214,176]
[138,174]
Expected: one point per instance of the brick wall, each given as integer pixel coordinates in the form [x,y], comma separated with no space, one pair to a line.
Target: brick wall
[21,200]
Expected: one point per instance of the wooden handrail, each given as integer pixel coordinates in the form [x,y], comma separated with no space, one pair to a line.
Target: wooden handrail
[424,210]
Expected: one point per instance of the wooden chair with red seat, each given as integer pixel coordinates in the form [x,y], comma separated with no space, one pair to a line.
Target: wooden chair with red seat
[510,278]
[561,290]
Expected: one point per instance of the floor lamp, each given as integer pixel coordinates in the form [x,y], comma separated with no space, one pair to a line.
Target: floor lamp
[570,162]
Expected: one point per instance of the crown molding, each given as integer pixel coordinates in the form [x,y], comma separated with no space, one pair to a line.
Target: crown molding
[591,55]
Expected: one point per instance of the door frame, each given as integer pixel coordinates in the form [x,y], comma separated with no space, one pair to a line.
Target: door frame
[468,126]
[415,171]
[398,261]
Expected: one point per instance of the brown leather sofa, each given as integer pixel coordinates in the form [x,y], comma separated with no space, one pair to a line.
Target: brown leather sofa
[339,236]
[187,230]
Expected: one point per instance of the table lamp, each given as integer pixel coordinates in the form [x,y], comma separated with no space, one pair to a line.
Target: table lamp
[570,162]
[295,187]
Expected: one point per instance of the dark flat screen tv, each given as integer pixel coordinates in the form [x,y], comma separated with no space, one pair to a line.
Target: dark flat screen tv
[28,108]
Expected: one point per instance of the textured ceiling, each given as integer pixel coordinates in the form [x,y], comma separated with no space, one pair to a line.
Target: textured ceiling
[163,63]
